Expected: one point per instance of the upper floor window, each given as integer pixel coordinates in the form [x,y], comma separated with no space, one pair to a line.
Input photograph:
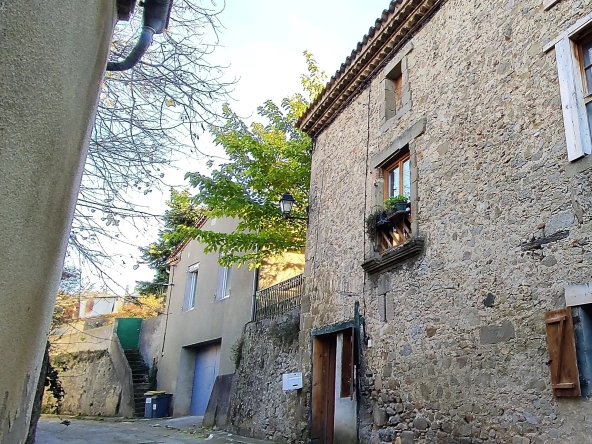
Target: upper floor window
[395,89]
[395,221]
[191,287]
[223,289]
[573,51]
[397,176]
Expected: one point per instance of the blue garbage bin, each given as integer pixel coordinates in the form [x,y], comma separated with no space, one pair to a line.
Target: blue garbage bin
[157,405]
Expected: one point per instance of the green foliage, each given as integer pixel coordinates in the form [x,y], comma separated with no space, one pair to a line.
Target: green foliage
[182,212]
[391,202]
[236,351]
[371,219]
[265,160]
[54,386]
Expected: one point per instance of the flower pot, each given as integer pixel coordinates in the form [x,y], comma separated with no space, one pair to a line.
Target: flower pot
[401,206]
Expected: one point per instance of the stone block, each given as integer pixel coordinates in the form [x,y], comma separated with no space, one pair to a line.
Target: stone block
[379,416]
[494,334]
[407,437]
[549,261]
[560,221]
[420,423]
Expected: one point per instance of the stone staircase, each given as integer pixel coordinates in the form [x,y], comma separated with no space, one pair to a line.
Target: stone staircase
[140,378]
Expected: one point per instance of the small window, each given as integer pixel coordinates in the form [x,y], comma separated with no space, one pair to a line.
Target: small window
[393,92]
[223,290]
[191,287]
[397,176]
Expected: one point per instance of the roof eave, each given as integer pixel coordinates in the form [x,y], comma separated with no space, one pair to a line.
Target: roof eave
[391,29]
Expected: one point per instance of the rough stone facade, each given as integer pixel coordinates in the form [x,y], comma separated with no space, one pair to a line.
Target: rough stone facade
[461,356]
[90,384]
[258,405]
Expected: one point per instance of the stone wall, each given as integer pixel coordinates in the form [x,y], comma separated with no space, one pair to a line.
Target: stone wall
[461,355]
[151,337]
[90,383]
[258,406]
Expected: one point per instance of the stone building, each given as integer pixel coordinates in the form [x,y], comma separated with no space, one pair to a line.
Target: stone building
[476,111]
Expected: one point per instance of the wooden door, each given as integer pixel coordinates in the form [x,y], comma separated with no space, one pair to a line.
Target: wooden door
[323,388]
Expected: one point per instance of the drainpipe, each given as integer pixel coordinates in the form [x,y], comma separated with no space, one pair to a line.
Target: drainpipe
[154,20]
[255,289]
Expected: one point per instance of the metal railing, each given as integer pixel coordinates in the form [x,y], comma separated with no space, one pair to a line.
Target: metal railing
[279,298]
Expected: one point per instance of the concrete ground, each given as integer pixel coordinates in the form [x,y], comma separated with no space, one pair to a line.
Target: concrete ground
[50,430]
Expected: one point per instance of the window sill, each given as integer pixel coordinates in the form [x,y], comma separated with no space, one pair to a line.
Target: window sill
[395,256]
[388,123]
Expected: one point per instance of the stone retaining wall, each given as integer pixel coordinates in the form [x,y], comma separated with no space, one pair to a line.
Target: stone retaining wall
[258,406]
[90,383]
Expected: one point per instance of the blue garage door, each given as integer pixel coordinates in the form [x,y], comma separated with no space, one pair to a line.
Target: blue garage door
[207,363]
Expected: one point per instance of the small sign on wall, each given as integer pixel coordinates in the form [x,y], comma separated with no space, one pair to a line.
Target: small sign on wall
[292,381]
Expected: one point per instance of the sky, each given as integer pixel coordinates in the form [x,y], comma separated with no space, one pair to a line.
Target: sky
[261,44]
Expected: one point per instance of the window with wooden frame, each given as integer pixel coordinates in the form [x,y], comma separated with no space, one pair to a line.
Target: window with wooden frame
[397,176]
[585,53]
[396,225]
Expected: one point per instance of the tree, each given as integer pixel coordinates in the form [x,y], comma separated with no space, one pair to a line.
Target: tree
[182,212]
[144,117]
[265,160]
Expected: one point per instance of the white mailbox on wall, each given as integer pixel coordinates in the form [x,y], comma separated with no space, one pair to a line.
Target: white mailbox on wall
[292,381]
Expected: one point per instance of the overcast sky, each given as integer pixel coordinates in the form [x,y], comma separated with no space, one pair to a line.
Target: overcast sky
[262,44]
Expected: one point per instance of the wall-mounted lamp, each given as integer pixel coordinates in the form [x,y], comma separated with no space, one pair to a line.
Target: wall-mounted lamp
[286,204]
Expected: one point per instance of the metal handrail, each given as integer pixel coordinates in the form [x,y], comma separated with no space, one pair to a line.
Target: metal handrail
[279,298]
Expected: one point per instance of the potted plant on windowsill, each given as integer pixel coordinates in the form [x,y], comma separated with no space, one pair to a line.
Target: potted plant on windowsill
[396,203]
[377,222]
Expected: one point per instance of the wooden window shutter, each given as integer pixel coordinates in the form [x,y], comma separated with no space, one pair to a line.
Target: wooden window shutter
[565,378]
[577,131]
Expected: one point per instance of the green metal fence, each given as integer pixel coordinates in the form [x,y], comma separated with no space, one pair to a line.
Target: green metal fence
[279,298]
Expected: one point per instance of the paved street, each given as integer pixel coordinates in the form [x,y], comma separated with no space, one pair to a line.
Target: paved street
[97,431]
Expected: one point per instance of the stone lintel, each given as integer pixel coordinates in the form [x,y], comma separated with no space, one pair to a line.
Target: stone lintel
[393,148]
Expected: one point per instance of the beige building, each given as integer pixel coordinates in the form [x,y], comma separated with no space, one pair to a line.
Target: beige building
[207,308]
[53,55]
[479,114]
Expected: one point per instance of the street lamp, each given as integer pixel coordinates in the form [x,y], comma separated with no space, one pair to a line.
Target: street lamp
[286,204]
